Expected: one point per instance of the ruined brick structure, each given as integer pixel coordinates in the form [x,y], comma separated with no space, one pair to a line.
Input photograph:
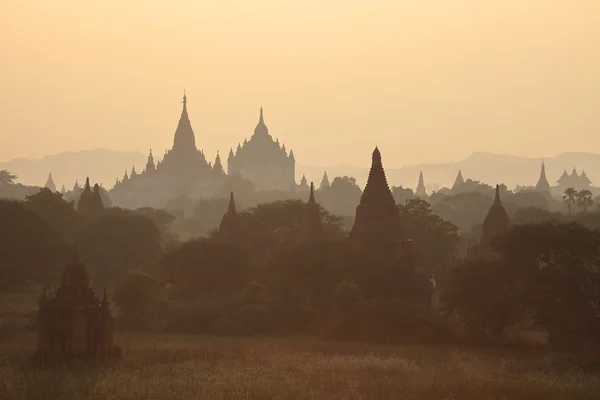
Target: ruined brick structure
[75,323]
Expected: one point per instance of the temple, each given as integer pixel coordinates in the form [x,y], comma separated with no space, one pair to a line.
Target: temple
[74,323]
[495,224]
[458,182]
[542,184]
[90,201]
[230,227]
[377,221]
[421,191]
[50,183]
[183,170]
[574,180]
[263,161]
[312,226]
[325,181]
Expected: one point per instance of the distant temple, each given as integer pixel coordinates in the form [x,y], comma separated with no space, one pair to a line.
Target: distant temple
[421,191]
[458,182]
[230,229]
[542,184]
[50,183]
[495,223]
[74,323]
[263,161]
[90,201]
[325,181]
[312,226]
[183,170]
[377,221]
[574,180]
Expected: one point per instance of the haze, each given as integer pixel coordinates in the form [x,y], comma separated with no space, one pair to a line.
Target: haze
[429,80]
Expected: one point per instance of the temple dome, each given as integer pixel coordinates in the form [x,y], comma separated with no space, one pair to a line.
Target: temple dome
[261,129]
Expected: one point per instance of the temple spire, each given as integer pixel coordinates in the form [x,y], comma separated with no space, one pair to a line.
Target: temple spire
[459,181]
[50,183]
[542,184]
[312,226]
[311,197]
[421,191]
[497,198]
[231,207]
[184,134]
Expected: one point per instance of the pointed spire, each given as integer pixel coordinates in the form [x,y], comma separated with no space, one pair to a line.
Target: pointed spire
[497,198]
[261,129]
[377,220]
[311,197]
[184,134]
[87,184]
[542,184]
[50,183]
[421,191]
[459,181]
[325,181]
[292,154]
[231,207]
[231,155]
[62,189]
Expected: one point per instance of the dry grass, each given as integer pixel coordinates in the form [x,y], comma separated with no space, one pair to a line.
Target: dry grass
[187,367]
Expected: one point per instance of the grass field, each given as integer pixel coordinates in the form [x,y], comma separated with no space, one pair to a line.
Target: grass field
[188,367]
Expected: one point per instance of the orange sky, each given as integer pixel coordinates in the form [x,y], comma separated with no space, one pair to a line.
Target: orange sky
[426,80]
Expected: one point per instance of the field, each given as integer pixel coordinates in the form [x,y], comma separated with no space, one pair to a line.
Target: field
[166,367]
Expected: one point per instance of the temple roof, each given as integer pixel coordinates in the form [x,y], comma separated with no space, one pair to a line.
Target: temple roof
[543,181]
[261,128]
[377,190]
[184,134]
[496,220]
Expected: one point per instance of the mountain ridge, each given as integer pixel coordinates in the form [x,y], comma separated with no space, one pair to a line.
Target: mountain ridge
[104,166]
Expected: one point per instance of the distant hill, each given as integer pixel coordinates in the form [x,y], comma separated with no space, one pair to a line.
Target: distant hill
[101,165]
[486,167]
[104,166]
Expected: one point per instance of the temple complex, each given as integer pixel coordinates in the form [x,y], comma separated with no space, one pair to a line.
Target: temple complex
[183,170]
[312,226]
[495,224]
[74,323]
[377,221]
[421,191]
[50,183]
[574,180]
[263,161]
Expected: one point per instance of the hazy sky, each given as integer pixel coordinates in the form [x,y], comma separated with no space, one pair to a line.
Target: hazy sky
[426,80]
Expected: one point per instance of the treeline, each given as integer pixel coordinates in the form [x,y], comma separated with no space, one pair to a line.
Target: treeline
[546,277]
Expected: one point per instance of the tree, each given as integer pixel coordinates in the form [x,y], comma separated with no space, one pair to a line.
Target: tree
[401,195]
[569,198]
[534,215]
[51,206]
[161,218]
[434,239]
[584,199]
[341,197]
[269,227]
[207,214]
[30,250]
[6,178]
[117,242]
[137,295]
[203,267]
[547,270]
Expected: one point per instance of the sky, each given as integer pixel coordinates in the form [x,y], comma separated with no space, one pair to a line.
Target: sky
[425,80]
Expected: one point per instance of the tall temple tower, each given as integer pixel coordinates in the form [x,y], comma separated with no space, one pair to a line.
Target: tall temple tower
[230,227]
[377,221]
[542,184]
[50,183]
[312,226]
[421,191]
[458,182]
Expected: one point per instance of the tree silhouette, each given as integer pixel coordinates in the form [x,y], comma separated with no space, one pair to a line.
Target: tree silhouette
[6,178]
[584,199]
[569,198]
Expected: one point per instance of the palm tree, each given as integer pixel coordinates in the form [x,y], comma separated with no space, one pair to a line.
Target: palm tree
[6,178]
[569,198]
[584,199]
